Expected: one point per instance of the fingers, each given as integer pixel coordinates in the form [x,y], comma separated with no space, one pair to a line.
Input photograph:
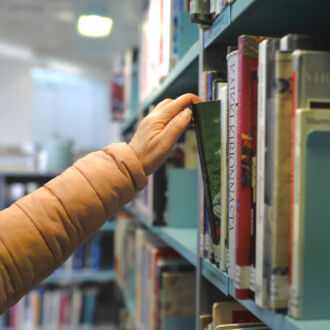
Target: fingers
[174,107]
[163,104]
[176,127]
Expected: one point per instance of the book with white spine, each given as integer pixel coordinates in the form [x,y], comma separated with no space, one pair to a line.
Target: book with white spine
[224,176]
[266,70]
[232,67]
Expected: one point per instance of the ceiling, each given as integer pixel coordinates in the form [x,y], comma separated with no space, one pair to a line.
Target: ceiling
[47,28]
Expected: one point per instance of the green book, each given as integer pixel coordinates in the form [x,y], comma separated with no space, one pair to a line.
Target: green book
[207,126]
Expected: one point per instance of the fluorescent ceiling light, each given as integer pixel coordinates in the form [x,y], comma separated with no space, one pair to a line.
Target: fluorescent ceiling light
[94,26]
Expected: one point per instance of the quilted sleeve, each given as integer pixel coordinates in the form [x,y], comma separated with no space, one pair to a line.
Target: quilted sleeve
[40,231]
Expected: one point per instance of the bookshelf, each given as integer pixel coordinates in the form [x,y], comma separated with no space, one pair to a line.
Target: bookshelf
[80,277]
[273,18]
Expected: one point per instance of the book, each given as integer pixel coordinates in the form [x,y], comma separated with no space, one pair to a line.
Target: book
[240,326]
[200,12]
[266,81]
[280,211]
[293,41]
[224,177]
[232,67]
[231,312]
[207,124]
[171,264]
[177,311]
[204,321]
[155,253]
[310,175]
[247,62]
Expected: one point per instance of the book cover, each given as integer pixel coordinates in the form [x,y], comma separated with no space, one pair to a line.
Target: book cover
[177,300]
[224,176]
[204,321]
[232,67]
[281,188]
[171,263]
[155,254]
[266,81]
[247,62]
[231,312]
[292,41]
[207,124]
[311,185]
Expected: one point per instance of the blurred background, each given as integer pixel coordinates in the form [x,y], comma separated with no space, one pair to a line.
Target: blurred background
[58,72]
[55,82]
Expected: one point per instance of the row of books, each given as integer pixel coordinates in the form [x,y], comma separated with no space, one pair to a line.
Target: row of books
[230,315]
[155,277]
[55,307]
[95,254]
[167,34]
[264,150]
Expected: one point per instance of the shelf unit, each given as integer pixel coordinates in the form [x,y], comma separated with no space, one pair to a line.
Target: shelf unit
[260,17]
[81,276]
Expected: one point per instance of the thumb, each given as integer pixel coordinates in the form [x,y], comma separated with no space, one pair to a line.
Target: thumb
[177,125]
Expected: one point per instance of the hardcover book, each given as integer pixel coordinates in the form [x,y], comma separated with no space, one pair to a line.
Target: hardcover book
[224,177]
[311,186]
[281,188]
[232,67]
[266,81]
[207,124]
[177,310]
[247,63]
[231,312]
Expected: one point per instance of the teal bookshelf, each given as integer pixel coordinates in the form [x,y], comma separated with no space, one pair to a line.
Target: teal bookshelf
[260,17]
[109,226]
[80,277]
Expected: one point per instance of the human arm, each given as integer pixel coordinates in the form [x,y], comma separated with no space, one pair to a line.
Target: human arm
[40,231]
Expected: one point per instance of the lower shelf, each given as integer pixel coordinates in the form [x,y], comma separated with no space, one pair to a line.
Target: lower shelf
[184,241]
[81,276]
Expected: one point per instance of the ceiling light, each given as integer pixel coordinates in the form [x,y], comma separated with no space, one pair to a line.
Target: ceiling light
[95,22]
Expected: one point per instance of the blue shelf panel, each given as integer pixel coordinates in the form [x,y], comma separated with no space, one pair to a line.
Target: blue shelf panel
[279,321]
[239,7]
[182,240]
[81,276]
[218,278]
[182,79]
[219,25]
[108,226]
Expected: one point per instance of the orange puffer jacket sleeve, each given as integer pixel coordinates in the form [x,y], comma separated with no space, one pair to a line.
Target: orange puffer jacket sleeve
[40,231]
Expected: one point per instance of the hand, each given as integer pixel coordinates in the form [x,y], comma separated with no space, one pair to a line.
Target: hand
[158,132]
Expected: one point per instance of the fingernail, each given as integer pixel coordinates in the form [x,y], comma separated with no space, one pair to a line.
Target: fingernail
[186,113]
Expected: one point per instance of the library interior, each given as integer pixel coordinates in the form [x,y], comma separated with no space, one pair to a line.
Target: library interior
[162,163]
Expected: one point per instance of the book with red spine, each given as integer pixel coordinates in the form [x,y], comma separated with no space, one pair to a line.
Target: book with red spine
[247,63]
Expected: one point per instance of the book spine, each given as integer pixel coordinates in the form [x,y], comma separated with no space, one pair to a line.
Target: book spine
[254,179]
[232,66]
[224,177]
[260,230]
[247,62]
[281,210]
